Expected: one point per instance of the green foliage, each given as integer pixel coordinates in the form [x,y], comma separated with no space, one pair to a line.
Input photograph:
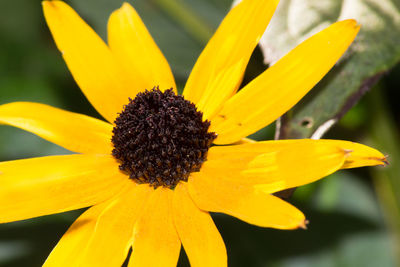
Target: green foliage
[375,51]
[384,135]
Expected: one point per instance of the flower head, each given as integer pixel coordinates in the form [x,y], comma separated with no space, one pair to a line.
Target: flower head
[160,138]
[152,173]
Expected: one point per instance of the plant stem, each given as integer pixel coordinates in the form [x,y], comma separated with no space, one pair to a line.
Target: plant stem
[189,20]
[384,136]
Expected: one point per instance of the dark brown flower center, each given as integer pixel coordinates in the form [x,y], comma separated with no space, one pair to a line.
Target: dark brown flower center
[160,138]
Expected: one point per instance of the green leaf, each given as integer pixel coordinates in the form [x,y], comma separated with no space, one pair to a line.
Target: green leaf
[375,51]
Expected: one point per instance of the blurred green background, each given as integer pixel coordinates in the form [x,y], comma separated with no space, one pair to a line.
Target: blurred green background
[354,215]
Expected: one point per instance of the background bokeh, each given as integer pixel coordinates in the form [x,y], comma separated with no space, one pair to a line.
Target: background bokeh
[354,215]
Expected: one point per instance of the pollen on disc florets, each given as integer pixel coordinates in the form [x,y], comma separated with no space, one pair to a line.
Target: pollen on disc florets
[160,138]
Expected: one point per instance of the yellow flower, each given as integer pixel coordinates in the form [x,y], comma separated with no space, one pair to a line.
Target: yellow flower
[171,177]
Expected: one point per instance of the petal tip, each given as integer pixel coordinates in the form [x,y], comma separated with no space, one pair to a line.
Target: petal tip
[126,8]
[351,23]
[379,160]
[303,224]
[46,4]
[384,160]
[52,3]
[126,5]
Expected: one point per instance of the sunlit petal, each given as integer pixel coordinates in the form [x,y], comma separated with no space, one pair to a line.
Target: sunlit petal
[245,202]
[40,186]
[287,163]
[89,59]
[155,240]
[73,131]
[110,242]
[219,70]
[75,240]
[281,86]
[135,49]
[200,238]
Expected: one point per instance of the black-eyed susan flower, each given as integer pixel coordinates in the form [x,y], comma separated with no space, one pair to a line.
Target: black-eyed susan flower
[151,173]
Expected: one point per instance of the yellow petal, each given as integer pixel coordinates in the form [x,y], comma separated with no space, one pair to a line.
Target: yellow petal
[281,86]
[245,141]
[75,132]
[135,49]
[40,186]
[102,235]
[287,163]
[155,241]
[72,245]
[218,72]
[90,61]
[288,168]
[110,242]
[245,202]
[200,238]
[361,155]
